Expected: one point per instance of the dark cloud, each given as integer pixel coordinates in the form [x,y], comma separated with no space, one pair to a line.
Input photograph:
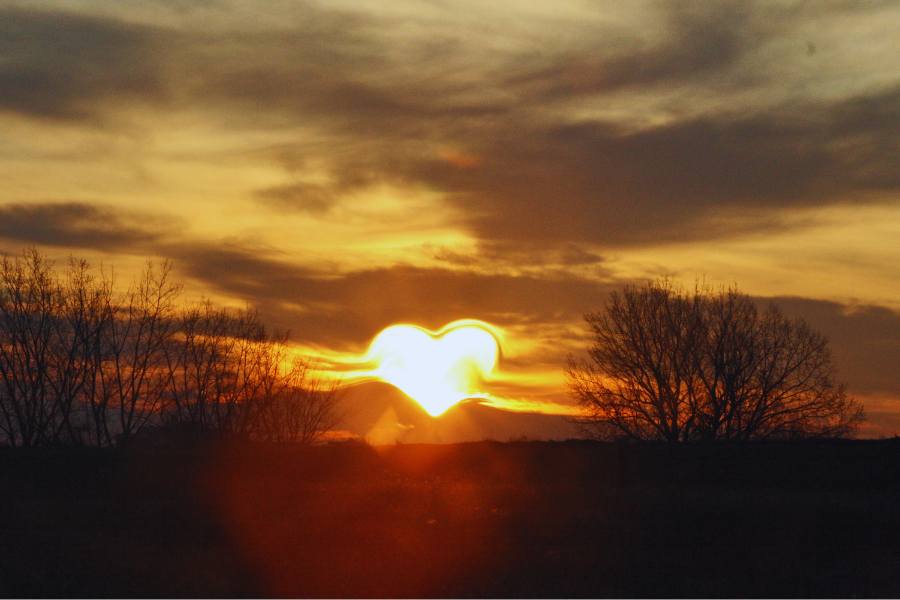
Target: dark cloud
[519,256]
[298,197]
[75,67]
[532,178]
[699,41]
[342,308]
[525,175]
[714,46]
[865,340]
[70,67]
[704,178]
[81,225]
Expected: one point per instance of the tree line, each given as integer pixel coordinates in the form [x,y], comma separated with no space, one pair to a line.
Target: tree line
[83,363]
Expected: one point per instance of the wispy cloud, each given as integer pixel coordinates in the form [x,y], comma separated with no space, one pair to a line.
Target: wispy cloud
[83,225]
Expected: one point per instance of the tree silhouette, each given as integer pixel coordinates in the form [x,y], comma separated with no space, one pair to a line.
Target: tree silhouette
[303,408]
[83,364]
[666,364]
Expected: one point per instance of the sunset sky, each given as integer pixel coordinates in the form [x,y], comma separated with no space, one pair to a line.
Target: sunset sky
[345,166]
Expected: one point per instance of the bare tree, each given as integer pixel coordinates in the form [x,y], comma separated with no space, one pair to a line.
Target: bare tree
[676,366]
[304,408]
[132,375]
[80,363]
[83,325]
[28,308]
[220,368]
[765,375]
[248,384]
[226,374]
[50,328]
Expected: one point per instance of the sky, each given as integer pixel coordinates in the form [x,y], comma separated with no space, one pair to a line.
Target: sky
[345,166]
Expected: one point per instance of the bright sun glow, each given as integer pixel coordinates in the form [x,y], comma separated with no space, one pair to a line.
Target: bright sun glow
[437,369]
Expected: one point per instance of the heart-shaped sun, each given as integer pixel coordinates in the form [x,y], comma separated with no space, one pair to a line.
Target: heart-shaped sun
[437,369]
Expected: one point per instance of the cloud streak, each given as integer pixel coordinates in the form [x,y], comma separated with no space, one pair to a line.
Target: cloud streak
[532,173]
[325,307]
[81,225]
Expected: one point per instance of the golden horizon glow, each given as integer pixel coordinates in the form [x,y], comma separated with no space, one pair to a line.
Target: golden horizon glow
[512,389]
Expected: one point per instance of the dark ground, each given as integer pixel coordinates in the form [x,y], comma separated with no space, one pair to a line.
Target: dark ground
[485,519]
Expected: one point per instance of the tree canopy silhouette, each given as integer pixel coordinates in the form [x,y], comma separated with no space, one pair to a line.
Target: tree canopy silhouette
[84,363]
[667,364]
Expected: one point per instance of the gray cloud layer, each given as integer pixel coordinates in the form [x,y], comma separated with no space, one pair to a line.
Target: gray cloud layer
[81,225]
[341,309]
[535,175]
[65,67]
[351,307]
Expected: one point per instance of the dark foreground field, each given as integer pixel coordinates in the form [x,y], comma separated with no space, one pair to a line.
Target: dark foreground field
[486,519]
